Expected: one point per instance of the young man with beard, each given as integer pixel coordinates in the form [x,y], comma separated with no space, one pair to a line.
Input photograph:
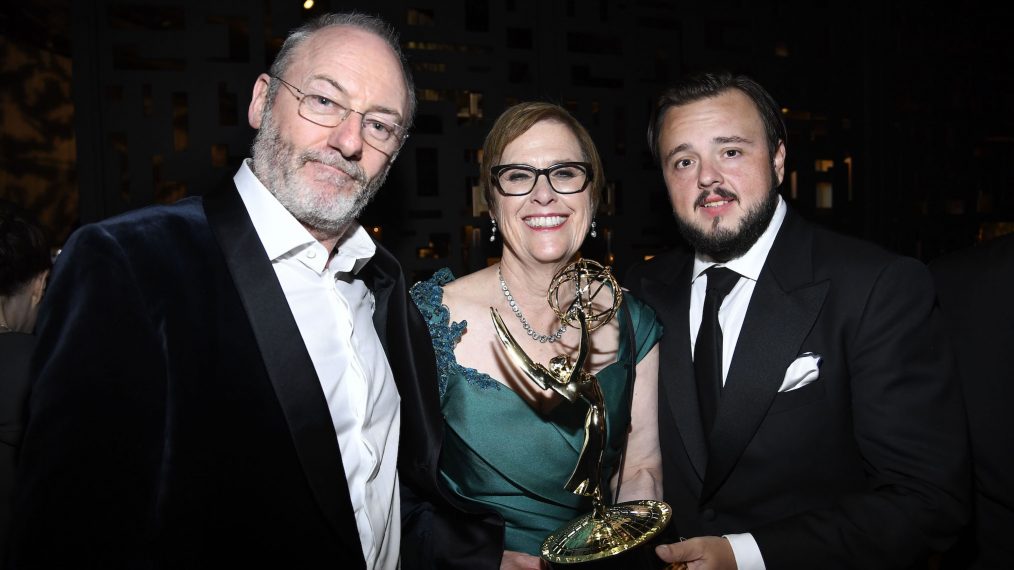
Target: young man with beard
[212,387]
[809,413]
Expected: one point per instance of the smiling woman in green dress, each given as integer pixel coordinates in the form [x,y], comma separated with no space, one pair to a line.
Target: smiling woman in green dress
[510,446]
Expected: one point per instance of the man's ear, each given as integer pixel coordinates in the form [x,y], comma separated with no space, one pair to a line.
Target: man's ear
[258,100]
[38,286]
[778,163]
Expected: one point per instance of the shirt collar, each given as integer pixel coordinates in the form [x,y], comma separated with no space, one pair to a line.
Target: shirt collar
[282,234]
[354,251]
[749,264]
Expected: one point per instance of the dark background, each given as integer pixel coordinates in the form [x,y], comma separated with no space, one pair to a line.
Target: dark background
[901,127]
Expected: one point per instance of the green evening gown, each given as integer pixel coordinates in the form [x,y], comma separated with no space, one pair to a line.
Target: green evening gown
[502,455]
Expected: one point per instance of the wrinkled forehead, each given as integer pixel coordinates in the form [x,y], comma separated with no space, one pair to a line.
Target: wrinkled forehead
[354,61]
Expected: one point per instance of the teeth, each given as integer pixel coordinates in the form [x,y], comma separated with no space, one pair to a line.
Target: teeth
[716,204]
[545,221]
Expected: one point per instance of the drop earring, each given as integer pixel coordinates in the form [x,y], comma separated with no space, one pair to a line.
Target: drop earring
[593,233]
[492,230]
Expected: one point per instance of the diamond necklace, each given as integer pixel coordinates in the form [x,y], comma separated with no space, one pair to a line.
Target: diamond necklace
[524,322]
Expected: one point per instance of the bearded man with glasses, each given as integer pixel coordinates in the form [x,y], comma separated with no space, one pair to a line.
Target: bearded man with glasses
[212,386]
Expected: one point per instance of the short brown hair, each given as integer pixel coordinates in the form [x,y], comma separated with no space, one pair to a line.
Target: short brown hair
[516,121]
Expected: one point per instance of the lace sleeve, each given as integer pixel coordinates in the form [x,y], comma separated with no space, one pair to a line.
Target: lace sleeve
[428,296]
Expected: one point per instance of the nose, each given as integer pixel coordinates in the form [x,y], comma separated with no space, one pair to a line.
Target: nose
[709,175]
[347,136]
[543,192]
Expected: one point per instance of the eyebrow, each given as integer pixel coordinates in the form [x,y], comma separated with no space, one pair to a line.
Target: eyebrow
[732,139]
[718,140]
[551,162]
[375,109]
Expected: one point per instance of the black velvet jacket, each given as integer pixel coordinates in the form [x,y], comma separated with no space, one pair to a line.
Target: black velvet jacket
[175,418]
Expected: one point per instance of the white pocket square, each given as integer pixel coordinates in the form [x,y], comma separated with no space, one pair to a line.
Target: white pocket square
[804,370]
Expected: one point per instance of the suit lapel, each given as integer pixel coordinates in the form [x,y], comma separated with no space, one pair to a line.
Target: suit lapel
[670,296]
[381,275]
[406,342]
[784,305]
[285,358]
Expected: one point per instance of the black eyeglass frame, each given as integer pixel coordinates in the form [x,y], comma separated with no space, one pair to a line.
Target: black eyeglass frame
[496,171]
[400,133]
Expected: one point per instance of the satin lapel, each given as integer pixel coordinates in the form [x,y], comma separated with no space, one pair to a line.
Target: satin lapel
[285,357]
[783,309]
[677,390]
[406,342]
[381,275]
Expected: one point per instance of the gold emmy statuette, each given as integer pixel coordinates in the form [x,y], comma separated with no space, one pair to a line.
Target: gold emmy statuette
[597,538]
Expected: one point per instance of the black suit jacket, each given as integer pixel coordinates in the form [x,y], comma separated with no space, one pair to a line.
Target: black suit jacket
[974,287]
[867,466]
[15,351]
[176,420]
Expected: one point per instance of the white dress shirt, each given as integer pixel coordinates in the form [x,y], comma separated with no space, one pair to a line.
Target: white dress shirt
[334,312]
[730,318]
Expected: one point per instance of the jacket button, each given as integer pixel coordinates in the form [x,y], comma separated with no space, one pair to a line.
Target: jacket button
[708,514]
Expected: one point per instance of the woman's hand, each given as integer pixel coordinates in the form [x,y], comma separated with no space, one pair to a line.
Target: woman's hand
[520,561]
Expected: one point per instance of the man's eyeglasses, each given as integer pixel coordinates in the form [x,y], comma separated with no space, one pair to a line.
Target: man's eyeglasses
[520,179]
[379,132]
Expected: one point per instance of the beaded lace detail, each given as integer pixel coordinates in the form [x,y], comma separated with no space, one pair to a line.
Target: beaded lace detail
[428,296]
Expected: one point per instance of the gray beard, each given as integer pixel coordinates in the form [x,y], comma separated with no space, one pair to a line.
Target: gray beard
[275,163]
[723,244]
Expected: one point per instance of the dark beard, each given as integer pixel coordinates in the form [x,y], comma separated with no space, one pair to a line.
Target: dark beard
[724,244]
